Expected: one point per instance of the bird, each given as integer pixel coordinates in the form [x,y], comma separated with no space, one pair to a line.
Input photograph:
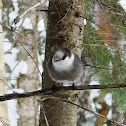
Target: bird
[65,66]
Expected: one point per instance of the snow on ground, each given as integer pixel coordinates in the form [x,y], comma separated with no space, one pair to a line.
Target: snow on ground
[7,45]
[27,24]
[123,4]
[14,13]
[12,110]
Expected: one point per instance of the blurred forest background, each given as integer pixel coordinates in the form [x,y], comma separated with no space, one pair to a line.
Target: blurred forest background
[24,42]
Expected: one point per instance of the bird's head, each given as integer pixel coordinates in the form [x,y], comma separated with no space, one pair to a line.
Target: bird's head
[63,59]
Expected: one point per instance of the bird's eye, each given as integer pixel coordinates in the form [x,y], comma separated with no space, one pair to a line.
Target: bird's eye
[63,57]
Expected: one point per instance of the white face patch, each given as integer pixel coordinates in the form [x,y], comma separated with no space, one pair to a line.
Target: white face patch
[58,55]
[63,65]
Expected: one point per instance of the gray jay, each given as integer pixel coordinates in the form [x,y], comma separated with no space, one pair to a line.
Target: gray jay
[65,66]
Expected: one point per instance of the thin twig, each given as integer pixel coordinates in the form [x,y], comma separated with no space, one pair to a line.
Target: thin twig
[46,120]
[31,57]
[21,16]
[3,122]
[92,22]
[99,67]
[84,108]
[12,29]
[95,113]
[111,7]
[5,83]
[9,28]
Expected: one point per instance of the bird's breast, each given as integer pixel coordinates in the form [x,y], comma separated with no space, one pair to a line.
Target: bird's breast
[62,66]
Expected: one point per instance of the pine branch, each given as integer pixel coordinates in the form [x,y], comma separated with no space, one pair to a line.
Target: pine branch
[49,91]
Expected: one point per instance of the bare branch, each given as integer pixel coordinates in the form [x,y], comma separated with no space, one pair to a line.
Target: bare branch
[30,56]
[2,120]
[21,16]
[97,114]
[49,91]
[12,29]
[111,7]
[84,108]
[46,120]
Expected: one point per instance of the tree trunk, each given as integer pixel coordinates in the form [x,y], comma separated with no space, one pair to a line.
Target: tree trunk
[28,109]
[65,29]
[3,84]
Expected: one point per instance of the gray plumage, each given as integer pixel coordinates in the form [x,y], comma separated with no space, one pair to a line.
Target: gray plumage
[65,66]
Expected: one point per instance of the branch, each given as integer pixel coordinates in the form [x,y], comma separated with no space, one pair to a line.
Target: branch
[12,29]
[50,91]
[84,108]
[2,120]
[95,113]
[111,7]
[21,16]
[44,113]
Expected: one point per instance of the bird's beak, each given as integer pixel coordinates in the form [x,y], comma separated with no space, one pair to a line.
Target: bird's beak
[56,58]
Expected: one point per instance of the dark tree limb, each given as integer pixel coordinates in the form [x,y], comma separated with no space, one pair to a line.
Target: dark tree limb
[50,91]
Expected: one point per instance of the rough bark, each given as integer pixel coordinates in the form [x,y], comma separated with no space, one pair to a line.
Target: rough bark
[65,29]
[3,84]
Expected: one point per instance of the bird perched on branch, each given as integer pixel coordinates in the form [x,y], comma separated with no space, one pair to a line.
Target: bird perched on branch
[65,66]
